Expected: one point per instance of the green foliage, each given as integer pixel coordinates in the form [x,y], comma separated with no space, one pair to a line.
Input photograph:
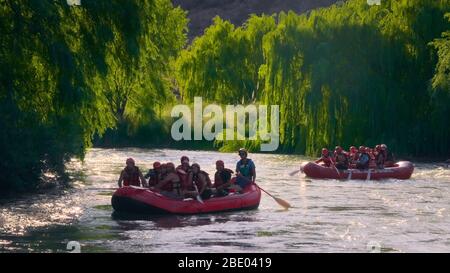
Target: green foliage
[222,65]
[348,74]
[69,73]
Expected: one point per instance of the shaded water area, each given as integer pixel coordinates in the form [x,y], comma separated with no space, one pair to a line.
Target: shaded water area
[328,215]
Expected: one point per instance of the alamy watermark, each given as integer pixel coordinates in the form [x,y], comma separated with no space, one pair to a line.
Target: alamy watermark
[74,247]
[74,2]
[374,2]
[373,247]
[224,129]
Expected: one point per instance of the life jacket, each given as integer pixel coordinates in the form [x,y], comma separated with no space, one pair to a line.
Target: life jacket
[170,186]
[154,177]
[218,180]
[341,159]
[196,180]
[244,168]
[183,178]
[131,177]
[380,159]
[326,160]
[364,160]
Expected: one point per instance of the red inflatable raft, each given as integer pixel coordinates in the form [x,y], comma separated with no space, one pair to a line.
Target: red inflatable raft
[142,200]
[400,170]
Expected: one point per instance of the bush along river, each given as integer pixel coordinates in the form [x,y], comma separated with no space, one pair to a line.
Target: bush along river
[327,215]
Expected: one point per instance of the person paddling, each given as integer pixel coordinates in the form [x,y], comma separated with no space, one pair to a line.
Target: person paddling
[222,179]
[352,156]
[379,157]
[245,170]
[341,159]
[363,159]
[184,160]
[183,170]
[154,174]
[325,158]
[170,185]
[200,181]
[388,156]
[131,175]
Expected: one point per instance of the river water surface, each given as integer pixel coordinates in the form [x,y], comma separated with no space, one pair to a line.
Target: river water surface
[327,215]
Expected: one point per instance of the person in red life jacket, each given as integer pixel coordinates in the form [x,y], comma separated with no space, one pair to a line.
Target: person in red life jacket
[325,158]
[131,175]
[352,156]
[184,164]
[379,157]
[340,158]
[199,181]
[183,169]
[389,159]
[222,179]
[371,152]
[170,185]
[154,174]
[363,159]
[245,171]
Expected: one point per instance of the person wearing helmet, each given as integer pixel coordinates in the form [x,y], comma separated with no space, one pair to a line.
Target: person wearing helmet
[245,170]
[352,156]
[222,179]
[170,184]
[340,158]
[154,174]
[325,158]
[379,157]
[388,155]
[183,169]
[363,159]
[184,166]
[131,175]
[199,183]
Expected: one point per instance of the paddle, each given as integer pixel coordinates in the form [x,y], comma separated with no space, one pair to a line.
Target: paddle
[294,172]
[280,201]
[337,171]
[199,198]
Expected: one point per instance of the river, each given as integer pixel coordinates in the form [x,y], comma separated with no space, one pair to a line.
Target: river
[327,215]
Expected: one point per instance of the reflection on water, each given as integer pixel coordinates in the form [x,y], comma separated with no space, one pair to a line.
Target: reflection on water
[327,215]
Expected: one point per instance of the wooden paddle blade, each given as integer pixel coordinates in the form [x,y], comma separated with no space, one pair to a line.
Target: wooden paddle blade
[282,203]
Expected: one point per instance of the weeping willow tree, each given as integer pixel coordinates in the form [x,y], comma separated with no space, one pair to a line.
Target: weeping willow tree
[222,65]
[68,73]
[440,94]
[348,74]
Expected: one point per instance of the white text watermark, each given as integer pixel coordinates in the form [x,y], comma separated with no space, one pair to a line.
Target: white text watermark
[222,126]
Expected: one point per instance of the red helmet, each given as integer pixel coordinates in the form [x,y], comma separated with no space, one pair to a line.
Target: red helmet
[362,149]
[353,149]
[156,165]
[338,149]
[184,158]
[378,147]
[130,160]
[325,151]
[170,166]
[195,165]
[220,163]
